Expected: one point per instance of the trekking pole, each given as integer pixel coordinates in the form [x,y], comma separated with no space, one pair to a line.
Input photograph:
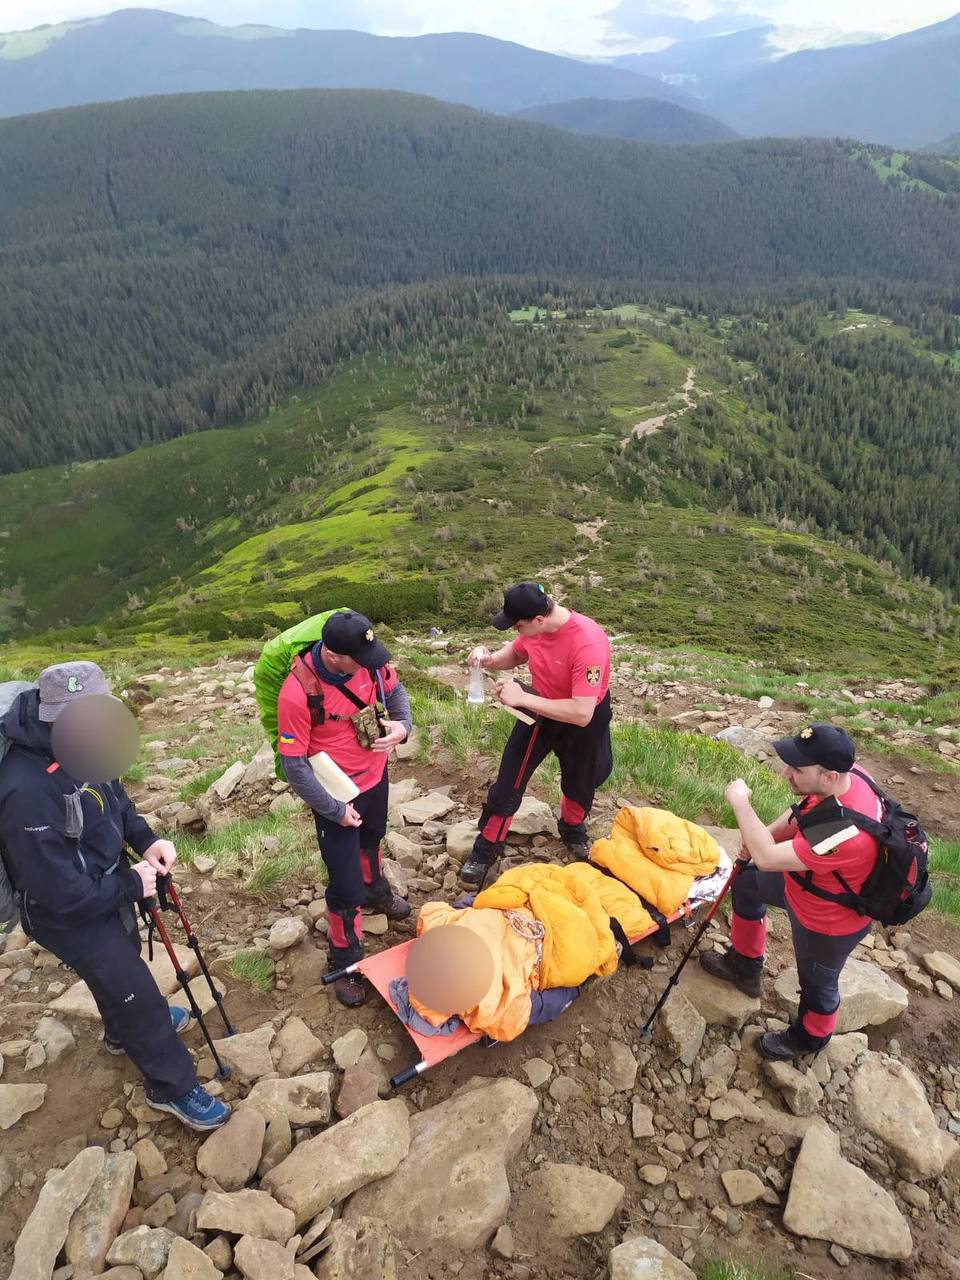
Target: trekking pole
[738,866]
[151,909]
[165,886]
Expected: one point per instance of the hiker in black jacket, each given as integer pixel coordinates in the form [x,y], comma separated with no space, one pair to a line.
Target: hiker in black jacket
[63,843]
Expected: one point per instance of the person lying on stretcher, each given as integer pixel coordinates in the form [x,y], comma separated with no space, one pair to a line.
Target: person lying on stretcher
[540,931]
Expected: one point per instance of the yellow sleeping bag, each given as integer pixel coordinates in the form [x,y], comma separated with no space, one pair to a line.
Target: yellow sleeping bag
[657,854]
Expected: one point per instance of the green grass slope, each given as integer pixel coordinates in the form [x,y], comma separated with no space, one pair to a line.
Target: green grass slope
[416,484]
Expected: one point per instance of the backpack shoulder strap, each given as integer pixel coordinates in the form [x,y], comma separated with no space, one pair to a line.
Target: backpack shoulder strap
[877,790]
[312,686]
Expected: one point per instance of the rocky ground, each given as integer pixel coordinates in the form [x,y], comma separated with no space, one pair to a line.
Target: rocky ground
[579,1151]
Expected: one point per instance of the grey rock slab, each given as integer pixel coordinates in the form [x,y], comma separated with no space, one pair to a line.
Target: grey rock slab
[567,1200]
[18,1100]
[295,1047]
[451,1190]
[868,996]
[45,1230]
[347,1048]
[286,933]
[258,1259]
[831,1199]
[146,1248]
[800,1089]
[361,1250]
[232,1153]
[366,1146]
[248,1052]
[304,1100]
[55,1038]
[943,965]
[533,818]
[888,1100]
[97,1222]
[426,808]
[620,1066]
[644,1259]
[186,1262]
[248,1212]
[679,1030]
[720,1003]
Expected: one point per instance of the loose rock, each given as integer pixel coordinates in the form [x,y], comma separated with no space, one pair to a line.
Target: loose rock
[645,1259]
[146,1248]
[888,1100]
[831,1199]
[680,1030]
[17,1100]
[801,1090]
[361,1250]
[942,965]
[295,1047]
[571,1200]
[248,1212]
[248,1052]
[186,1262]
[231,1154]
[286,933]
[304,1100]
[720,1003]
[348,1048]
[258,1259]
[43,1234]
[742,1186]
[97,1221]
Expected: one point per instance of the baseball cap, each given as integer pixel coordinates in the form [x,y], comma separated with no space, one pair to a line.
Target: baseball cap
[521,603]
[351,634]
[65,682]
[822,744]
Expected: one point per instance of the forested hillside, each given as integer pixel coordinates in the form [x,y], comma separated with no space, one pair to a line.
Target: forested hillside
[168,265]
[644,120]
[681,473]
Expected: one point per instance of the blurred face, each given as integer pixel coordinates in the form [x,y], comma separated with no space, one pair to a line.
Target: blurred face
[811,780]
[449,969]
[95,738]
[340,663]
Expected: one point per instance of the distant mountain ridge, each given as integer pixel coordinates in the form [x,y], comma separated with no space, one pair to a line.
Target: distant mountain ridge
[642,120]
[142,52]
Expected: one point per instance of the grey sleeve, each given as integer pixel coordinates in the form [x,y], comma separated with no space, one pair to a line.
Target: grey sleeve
[397,705]
[304,782]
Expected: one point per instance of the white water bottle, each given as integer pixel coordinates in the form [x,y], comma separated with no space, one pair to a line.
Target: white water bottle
[475,694]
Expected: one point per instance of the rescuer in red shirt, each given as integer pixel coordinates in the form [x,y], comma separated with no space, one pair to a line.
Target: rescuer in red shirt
[568,656]
[787,871]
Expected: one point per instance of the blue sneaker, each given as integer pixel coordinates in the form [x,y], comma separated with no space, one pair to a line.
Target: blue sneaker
[196,1109]
[180,1019]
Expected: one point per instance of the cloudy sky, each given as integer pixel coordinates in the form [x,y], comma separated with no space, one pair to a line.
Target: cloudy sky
[573,26]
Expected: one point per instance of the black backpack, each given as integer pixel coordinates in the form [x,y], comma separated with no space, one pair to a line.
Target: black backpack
[898,888]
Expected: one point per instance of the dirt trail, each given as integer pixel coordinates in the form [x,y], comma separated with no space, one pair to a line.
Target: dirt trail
[589,529]
[649,425]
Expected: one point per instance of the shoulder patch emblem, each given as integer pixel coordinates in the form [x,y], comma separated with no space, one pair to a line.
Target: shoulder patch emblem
[593,675]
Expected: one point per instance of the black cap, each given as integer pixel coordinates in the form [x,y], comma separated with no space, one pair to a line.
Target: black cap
[822,744]
[351,634]
[521,603]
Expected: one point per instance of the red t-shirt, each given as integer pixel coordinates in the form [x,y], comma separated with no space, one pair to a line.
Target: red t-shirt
[573,662]
[338,738]
[854,859]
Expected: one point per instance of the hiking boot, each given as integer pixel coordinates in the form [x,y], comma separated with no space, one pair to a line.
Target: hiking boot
[482,857]
[786,1046]
[196,1109]
[575,838]
[180,1019]
[731,967]
[350,990]
[394,907]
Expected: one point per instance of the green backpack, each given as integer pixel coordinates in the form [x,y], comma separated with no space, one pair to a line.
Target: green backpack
[273,667]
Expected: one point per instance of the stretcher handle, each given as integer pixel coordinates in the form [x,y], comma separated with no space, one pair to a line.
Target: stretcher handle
[333,975]
[411,1073]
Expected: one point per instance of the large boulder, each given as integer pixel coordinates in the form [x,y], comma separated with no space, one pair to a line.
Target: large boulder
[868,997]
[97,1222]
[362,1250]
[831,1199]
[231,1154]
[43,1234]
[644,1259]
[888,1100]
[18,1100]
[241,1213]
[719,1003]
[304,1100]
[326,1169]
[566,1200]
[452,1188]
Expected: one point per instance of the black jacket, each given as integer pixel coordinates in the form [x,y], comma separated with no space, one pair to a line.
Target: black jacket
[64,882]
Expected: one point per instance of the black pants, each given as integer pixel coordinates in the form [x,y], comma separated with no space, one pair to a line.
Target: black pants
[354,870]
[586,760]
[820,956]
[106,955]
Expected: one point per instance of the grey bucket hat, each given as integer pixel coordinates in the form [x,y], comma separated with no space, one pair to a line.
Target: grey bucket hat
[65,682]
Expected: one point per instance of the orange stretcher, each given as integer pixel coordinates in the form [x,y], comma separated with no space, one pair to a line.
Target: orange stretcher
[384,966]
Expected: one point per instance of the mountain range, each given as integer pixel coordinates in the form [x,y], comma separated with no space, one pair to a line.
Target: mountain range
[901,91]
